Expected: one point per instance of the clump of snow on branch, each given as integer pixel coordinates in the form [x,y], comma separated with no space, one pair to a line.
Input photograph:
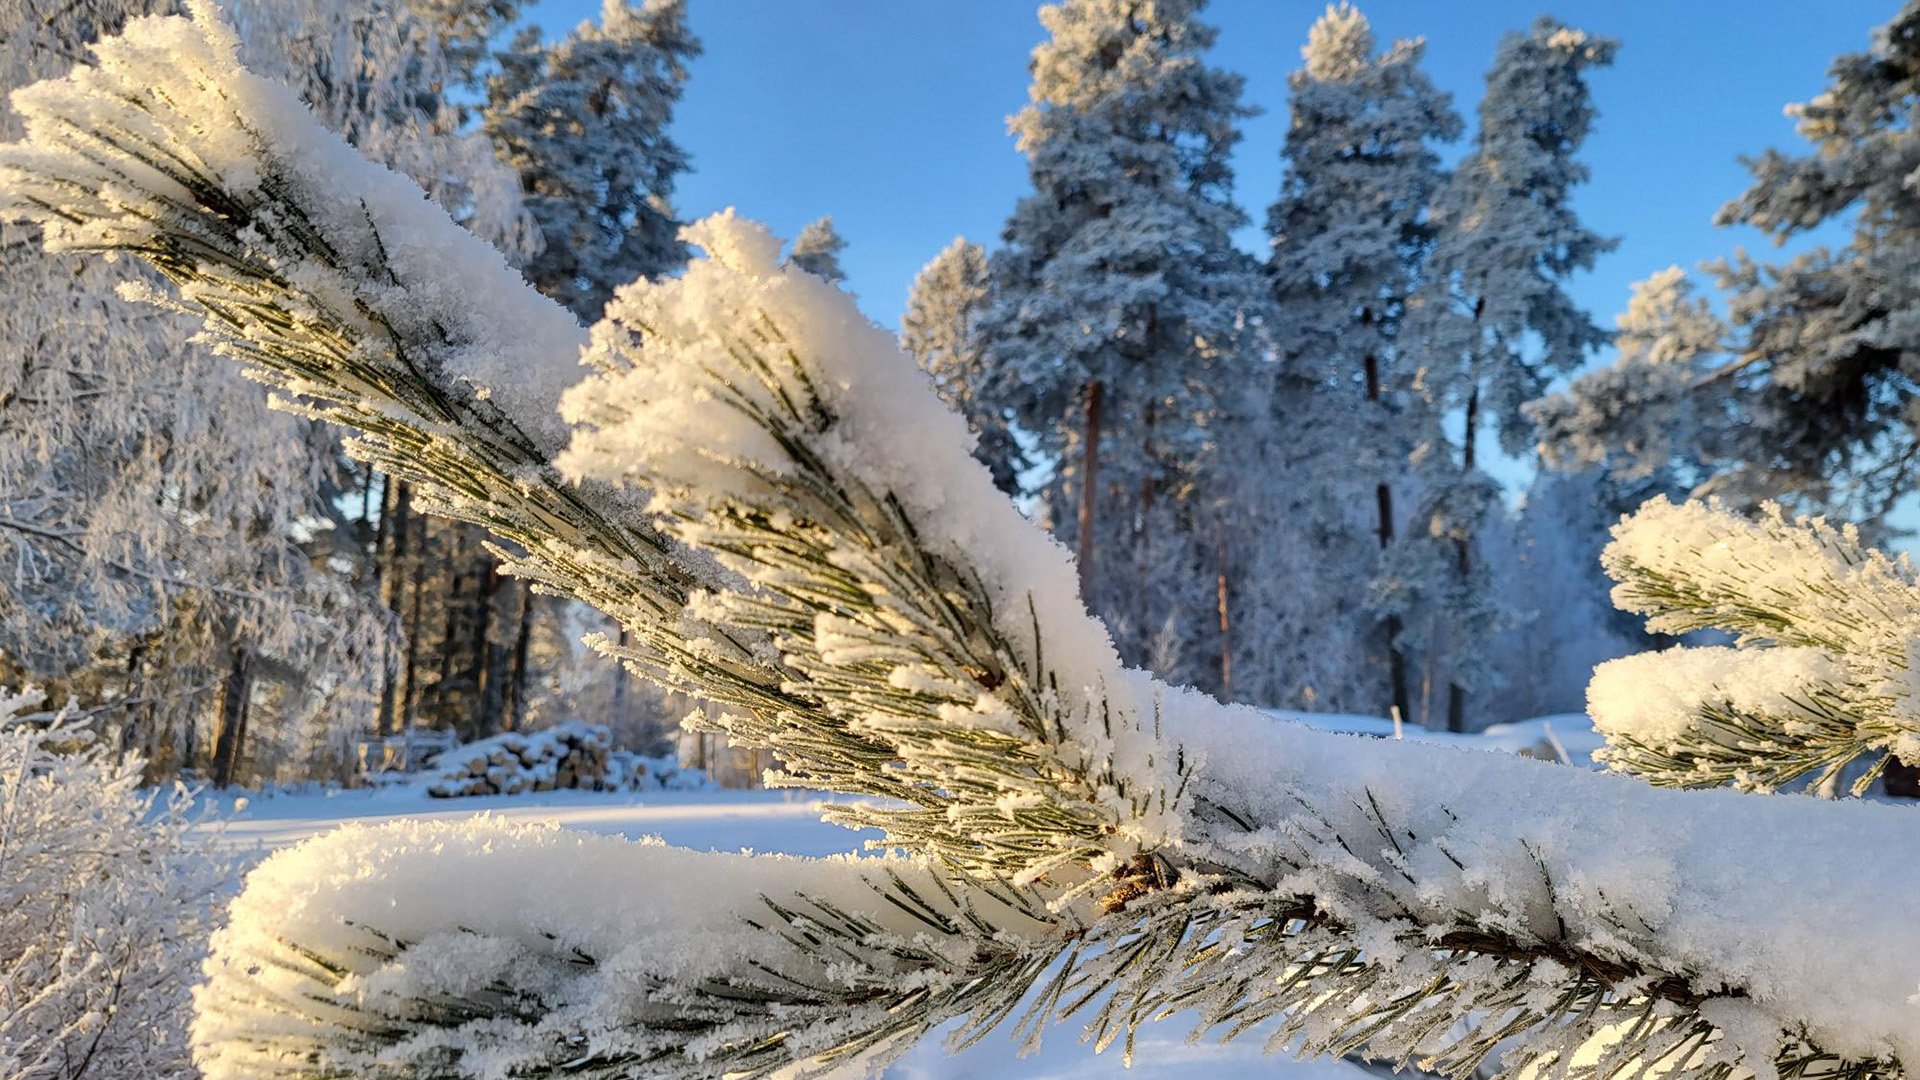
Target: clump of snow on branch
[606,957]
[753,398]
[1821,676]
[106,899]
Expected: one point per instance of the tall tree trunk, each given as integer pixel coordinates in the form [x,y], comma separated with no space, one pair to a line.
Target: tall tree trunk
[1383,508]
[517,679]
[371,530]
[621,690]
[480,673]
[1463,562]
[1089,476]
[1147,489]
[409,693]
[229,742]
[389,550]
[445,711]
[1220,600]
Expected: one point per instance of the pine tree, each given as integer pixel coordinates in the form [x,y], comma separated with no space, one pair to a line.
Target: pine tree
[179,548]
[584,124]
[768,496]
[1814,688]
[1119,310]
[941,331]
[1349,235]
[817,251]
[1823,370]
[1493,319]
[1640,418]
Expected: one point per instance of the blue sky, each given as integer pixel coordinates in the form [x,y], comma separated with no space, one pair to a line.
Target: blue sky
[891,114]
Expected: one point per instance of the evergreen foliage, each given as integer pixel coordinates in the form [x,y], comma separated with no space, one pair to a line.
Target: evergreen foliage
[1823,368]
[1493,320]
[1121,313]
[941,331]
[817,251]
[1817,681]
[1349,236]
[583,122]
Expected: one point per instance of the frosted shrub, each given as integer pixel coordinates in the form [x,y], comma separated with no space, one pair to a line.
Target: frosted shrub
[105,905]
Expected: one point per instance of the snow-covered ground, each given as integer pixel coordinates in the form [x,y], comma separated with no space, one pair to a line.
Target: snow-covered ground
[789,823]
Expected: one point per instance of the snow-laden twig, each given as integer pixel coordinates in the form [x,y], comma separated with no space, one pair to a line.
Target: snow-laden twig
[1821,676]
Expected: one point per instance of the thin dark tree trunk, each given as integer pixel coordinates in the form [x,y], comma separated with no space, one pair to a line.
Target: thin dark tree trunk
[229,742]
[522,641]
[485,715]
[410,670]
[130,725]
[1220,600]
[1089,476]
[1383,507]
[621,691]
[1147,489]
[389,548]
[1463,560]
[370,529]
[450,626]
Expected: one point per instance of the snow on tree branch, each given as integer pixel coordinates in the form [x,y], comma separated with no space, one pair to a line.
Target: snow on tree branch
[1822,675]
[486,950]
[826,559]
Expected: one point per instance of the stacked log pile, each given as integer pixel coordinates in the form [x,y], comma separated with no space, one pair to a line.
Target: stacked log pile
[570,754]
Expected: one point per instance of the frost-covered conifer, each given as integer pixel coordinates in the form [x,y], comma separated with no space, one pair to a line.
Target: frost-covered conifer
[1642,416]
[767,494]
[1493,321]
[169,535]
[1823,366]
[817,251]
[1120,308]
[583,121]
[1349,233]
[941,331]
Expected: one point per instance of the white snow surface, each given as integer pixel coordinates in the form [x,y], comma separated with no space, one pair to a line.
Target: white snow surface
[765,822]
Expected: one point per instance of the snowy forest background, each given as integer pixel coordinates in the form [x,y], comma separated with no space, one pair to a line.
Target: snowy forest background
[1271,463]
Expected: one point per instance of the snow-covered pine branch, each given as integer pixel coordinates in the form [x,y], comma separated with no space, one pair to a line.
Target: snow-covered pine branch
[1821,674]
[487,950]
[831,563]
